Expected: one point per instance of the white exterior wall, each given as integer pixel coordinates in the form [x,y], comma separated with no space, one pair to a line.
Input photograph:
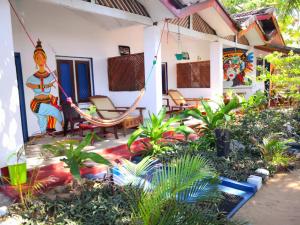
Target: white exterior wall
[65,33]
[153,82]
[216,70]
[198,50]
[11,138]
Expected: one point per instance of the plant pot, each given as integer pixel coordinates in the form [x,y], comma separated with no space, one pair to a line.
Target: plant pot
[222,142]
[179,56]
[17,174]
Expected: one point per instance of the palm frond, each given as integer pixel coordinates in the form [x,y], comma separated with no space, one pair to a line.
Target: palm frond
[184,178]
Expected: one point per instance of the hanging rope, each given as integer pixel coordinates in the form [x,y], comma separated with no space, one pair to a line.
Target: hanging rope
[96,121]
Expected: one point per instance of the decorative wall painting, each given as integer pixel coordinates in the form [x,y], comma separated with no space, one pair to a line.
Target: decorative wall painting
[237,64]
[43,105]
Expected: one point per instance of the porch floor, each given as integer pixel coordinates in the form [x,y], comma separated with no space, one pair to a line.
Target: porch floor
[34,150]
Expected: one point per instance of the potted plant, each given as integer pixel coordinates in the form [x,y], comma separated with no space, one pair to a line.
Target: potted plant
[17,167]
[215,123]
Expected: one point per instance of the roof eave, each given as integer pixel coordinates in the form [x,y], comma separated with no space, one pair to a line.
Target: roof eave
[189,10]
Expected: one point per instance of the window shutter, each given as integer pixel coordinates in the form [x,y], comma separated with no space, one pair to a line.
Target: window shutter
[193,75]
[184,75]
[126,73]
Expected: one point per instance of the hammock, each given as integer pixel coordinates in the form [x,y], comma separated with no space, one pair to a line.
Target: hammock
[108,122]
[96,121]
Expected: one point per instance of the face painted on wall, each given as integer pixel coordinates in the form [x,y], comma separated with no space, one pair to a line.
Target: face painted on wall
[40,59]
[236,63]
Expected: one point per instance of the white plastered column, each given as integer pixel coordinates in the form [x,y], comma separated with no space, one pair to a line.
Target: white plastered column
[153,95]
[216,70]
[11,138]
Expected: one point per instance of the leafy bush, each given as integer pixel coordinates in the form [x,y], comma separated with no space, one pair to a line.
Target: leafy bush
[264,124]
[154,128]
[211,118]
[238,165]
[98,203]
[163,202]
[74,154]
[255,101]
[274,152]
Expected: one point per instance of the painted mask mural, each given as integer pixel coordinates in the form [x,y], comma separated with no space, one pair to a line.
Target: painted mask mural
[44,105]
[237,63]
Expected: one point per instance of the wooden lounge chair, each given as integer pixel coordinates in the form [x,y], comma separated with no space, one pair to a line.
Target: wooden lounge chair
[70,116]
[181,102]
[107,110]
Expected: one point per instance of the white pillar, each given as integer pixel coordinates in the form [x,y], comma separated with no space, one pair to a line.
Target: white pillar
[11,138]
[216,70]
[153,95]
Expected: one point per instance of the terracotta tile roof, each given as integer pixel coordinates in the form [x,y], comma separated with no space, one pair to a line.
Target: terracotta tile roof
[241,18]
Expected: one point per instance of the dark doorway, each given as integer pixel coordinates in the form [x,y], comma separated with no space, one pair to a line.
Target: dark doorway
[164,73]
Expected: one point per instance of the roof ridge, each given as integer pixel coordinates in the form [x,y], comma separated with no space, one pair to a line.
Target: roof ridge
[262,10]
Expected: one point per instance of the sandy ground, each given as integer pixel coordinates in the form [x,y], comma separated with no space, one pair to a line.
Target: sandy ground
[277,203]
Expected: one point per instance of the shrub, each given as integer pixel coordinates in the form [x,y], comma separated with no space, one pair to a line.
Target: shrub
[74,154]
[154,129]
[98,203]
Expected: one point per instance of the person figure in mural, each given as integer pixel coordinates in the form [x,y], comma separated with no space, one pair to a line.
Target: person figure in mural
[44,105]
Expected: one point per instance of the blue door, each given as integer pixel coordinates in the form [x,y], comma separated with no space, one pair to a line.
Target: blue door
[21,96]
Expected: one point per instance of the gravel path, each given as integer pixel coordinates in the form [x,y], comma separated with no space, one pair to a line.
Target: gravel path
[277,203]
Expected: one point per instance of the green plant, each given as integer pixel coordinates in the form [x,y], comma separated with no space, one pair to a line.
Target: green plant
[92,110]
[31,186]
[286,77]
[99,203]
[255,102]
[163,201]
[237,166]
[213,119]
[74,154]
[154,129]
[273,151]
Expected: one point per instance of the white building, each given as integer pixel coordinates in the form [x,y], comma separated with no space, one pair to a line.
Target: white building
[79,37]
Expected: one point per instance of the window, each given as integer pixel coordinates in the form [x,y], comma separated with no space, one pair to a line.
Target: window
[74,75]
[193,75]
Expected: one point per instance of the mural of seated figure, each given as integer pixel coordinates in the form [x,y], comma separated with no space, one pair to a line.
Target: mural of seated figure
[43,105]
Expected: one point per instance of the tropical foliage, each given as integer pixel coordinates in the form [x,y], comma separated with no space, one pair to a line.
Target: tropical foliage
[74,154]
[183,179]
[255,102]
[99,203]
[287,11]
[211,118]
[274,151]
[154,128]
[286,77]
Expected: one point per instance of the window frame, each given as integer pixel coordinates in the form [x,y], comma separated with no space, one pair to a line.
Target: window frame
[74,75]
